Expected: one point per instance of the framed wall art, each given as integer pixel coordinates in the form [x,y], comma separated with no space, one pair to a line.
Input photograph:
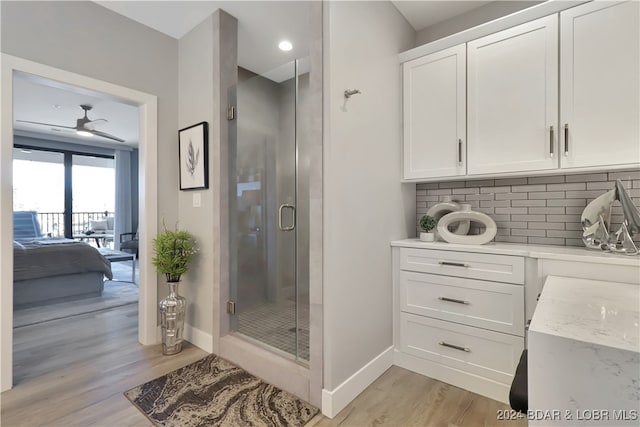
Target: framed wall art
[193,153]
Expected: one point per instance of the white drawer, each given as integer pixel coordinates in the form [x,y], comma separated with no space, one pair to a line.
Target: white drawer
[488,305]
[498,268]
[489,354]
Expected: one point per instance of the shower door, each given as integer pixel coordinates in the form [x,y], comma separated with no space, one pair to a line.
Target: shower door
[269,289]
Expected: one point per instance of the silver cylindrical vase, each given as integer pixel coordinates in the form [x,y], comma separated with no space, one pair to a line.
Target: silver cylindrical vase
[172,310]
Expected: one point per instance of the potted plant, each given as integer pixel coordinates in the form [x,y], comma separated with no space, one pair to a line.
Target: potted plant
[173,250]
[427,223]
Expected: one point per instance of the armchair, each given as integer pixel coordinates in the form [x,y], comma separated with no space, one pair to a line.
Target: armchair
[129,242]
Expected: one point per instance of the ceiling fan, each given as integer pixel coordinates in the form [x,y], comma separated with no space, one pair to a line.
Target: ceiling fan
[84,126]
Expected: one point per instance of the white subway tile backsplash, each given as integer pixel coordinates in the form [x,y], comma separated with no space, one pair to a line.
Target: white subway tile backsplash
[537,210]
[586,177]
[558,210]
[547,225]
[538,203]
[511,196]
[564,187]
[625,175]
[511,181]
[511,210]
[528,188]
[567,202]
[527,232]
[547,195]
[533,218]
[495,189]
[559,179]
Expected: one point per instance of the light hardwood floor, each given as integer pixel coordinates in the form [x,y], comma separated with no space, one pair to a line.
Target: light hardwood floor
[73,372]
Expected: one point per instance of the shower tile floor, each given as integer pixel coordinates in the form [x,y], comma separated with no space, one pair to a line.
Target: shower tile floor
[274,324]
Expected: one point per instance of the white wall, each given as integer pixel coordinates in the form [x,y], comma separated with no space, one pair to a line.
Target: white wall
[366,206]
[474,17]
[203,97]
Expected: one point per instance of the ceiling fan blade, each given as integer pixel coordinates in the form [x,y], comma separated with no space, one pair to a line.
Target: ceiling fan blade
[105,135]
[93,123]
[45,124]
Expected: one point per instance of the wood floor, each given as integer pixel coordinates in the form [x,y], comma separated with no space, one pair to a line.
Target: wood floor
[73,372]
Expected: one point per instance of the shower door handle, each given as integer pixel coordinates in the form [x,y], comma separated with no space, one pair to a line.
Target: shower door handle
[293,212]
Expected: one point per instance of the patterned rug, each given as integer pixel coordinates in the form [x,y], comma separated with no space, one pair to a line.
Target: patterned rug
[214,392]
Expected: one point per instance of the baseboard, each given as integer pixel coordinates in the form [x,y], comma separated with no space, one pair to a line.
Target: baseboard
[336,400]
[198,338]
[465,380]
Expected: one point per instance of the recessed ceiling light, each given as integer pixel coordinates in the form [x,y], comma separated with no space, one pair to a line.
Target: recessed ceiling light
[84,133]
[285,45]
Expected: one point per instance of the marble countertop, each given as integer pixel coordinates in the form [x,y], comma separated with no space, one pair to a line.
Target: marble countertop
[565,253]
[590,311]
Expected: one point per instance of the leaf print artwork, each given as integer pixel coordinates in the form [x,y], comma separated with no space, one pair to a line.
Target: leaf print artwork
[192,159]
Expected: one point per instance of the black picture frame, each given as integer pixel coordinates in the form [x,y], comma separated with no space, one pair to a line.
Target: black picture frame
[193,156]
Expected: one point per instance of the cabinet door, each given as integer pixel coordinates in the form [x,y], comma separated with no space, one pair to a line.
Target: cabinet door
[599,75]
[434,115]
[513,99]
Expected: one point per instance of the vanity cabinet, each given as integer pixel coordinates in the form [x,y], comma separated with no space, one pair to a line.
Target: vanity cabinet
[600,82]
[459,317]
[435,114]
[513,99]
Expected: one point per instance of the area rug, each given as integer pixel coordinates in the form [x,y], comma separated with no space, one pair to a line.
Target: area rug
[214,392]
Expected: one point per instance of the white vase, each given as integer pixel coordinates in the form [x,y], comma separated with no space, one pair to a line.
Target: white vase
[427,237]
[467,215]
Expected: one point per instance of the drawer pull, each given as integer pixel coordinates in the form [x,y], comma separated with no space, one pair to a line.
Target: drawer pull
[457,301]
[453,264]
[455,347]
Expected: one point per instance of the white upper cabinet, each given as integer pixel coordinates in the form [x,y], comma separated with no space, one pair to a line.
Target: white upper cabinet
[599,69]
[434,115]
[513,99]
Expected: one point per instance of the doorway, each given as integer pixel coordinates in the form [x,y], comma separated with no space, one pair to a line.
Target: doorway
[12,67]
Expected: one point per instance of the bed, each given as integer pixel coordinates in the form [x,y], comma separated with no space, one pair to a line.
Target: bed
[49,270]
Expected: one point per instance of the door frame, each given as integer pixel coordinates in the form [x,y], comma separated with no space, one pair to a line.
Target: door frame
[148,194]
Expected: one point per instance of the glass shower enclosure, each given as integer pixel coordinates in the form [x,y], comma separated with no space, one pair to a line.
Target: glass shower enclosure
[269,218]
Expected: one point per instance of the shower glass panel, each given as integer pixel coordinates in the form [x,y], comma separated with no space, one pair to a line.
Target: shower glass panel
[269,228]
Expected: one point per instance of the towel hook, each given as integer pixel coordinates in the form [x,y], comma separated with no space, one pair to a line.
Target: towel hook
[349,92]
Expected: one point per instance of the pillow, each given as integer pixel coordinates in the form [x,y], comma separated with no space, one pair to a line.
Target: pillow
[98,225]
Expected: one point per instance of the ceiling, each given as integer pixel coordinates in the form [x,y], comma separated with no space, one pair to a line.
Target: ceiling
[43,101]
[422,14]
[261,26]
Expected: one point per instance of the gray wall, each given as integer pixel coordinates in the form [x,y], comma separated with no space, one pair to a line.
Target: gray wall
[207,69]
[536,210]
[365,205]
[114,49]
[474,17]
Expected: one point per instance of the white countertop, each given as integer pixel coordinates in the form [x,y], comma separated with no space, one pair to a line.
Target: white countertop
[590,311]
[565,253]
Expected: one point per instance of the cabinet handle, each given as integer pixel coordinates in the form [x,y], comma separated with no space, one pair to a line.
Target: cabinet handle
[460,151]
[566,139]
[457,301]
[455,347]
[551,141]
[453,264]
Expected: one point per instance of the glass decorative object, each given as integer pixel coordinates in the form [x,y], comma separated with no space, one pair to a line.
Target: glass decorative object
[172,311]
[596,223]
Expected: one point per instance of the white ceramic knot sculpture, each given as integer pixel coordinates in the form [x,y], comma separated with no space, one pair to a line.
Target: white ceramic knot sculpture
[445,207]
[466,214]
